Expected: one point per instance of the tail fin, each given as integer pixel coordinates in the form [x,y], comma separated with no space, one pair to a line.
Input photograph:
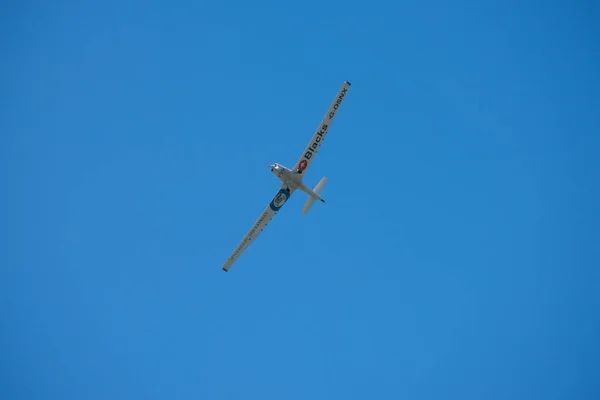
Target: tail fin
[311,199]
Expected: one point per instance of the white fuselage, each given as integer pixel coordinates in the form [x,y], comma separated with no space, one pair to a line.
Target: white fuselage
[293,181]
[286,176]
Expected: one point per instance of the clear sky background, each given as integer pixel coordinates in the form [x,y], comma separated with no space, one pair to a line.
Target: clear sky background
[457,255]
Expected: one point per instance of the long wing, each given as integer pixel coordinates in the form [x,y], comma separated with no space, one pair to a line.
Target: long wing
[319,136]
[274,206]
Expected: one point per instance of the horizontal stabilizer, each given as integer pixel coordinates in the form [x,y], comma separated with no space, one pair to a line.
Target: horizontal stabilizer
[311,199]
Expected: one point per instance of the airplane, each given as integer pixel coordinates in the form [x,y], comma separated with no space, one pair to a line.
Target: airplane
[292,179]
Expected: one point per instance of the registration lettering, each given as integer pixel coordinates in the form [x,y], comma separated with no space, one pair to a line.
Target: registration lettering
[320,134]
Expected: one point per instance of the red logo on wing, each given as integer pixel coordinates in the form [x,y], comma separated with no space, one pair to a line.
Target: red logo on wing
[302,165]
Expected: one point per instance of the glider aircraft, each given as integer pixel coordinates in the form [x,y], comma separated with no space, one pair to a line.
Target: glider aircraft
[292,179]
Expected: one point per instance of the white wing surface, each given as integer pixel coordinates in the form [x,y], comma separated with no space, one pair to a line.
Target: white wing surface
[278,201]
[319,136]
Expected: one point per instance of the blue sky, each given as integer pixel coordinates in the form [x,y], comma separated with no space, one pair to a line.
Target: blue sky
[456,257]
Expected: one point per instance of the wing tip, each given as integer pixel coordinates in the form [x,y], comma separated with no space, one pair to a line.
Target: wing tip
[348,82]
[223,268]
